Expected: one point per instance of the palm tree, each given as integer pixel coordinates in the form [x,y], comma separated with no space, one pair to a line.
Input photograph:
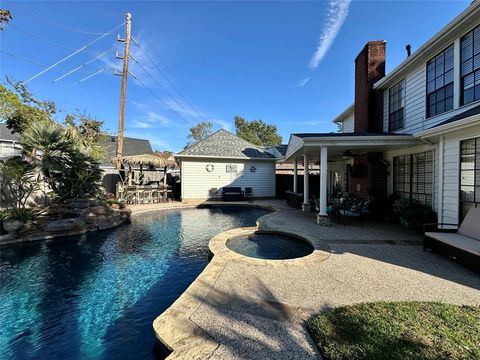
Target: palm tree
[47,146]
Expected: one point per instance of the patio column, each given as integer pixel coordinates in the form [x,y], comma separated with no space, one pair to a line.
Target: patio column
[295,178]
[305,205]
[323,180]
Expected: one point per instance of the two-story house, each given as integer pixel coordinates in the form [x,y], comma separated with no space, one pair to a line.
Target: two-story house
[415,131]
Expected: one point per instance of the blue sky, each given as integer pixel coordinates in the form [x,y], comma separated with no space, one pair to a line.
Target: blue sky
[287,63]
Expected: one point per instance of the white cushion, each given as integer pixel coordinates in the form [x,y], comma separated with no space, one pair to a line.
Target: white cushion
[458,240]
[471,224]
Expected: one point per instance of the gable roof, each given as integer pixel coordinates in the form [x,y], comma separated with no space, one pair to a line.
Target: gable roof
[6,134]
[131,146]
[282,149]
[223,144]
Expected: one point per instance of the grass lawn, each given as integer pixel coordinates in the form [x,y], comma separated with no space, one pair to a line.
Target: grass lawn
[398,330]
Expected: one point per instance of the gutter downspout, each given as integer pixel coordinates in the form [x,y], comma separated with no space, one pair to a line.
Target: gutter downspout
[440,178]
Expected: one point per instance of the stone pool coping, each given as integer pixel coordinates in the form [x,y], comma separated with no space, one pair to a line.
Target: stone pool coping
[174,327]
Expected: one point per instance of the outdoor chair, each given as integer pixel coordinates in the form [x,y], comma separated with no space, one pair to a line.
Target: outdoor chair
[351,209]
[248,195]
[458,243]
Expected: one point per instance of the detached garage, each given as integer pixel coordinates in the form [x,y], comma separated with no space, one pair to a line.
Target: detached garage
[225,160]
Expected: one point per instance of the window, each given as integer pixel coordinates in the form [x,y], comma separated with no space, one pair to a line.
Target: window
[469,175]
[397,104]
[440,83]
[413,177]
[470,66]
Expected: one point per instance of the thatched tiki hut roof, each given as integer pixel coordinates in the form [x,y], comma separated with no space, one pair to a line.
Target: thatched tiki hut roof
[146,160]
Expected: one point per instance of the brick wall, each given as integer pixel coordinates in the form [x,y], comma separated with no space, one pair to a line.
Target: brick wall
[369,68]
[369,177]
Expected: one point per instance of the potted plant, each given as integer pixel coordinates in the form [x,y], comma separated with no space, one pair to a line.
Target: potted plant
[414,214]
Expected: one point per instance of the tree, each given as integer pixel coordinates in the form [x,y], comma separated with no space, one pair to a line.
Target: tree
[257,132]
[86,131]
[166,154]
[19,108]
[18,182]
[70,171]
[5,17]
[199,132]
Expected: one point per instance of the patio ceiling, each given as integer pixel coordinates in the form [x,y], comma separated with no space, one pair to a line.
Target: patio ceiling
[337,144]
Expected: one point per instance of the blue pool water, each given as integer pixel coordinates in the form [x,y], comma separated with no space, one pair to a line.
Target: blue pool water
[95,297]
[270,246]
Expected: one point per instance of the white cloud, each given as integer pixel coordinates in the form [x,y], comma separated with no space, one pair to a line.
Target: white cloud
[336,14]
[155,117]
[142,124]
[181,107]
[223,124]
[303,82]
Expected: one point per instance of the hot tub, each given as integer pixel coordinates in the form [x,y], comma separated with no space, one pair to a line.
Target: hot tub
[270,246]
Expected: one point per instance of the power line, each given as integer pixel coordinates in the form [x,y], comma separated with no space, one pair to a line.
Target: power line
[33,61]
[194,105]
[161,100]
[166,91]
[39,37]
[82,65]
[87,77]
[53,22]
[171,84]
[72,54]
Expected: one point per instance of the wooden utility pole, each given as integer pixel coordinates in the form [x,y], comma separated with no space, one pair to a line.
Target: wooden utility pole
[123,91]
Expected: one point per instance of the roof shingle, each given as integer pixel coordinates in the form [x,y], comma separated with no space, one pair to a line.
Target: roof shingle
[225,144]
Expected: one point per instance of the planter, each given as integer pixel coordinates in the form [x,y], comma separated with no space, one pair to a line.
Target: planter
[11,226]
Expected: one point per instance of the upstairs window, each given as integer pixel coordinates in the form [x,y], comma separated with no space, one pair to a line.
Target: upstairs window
[470,66]
[397,106]
[440,83]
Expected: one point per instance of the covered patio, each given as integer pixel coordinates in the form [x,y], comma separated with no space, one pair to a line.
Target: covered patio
[349,162]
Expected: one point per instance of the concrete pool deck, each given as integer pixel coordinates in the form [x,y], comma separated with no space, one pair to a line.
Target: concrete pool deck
[243,308]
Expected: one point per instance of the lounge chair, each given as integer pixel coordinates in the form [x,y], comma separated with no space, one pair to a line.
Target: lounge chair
[460,244]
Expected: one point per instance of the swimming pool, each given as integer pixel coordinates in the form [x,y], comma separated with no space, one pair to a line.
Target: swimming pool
[95,297]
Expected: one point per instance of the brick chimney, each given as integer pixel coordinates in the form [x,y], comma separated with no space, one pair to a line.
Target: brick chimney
[369,68]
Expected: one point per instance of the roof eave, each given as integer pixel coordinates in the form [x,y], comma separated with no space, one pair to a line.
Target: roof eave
[436,40]
[181,156]
[453,126]
[343,115]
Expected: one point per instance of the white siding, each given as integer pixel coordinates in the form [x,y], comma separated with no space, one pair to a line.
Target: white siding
[348,125]
[197,181]
[414,102]
[9,149]
[451,163]
[415,105]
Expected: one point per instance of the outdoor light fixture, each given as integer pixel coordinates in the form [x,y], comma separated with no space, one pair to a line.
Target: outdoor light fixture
[253,168]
